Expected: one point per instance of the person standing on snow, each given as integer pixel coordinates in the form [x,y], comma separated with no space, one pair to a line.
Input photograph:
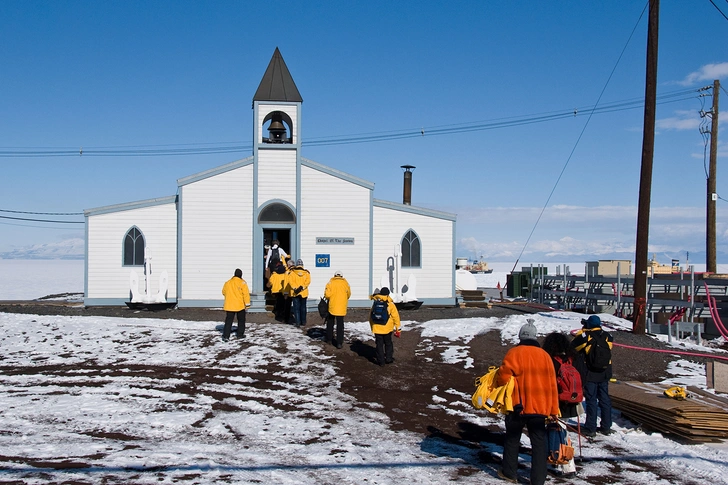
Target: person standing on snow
[299,280]
[594,379]
[337,292]
[276,282]
[535,398]
[237,300]
[383,332]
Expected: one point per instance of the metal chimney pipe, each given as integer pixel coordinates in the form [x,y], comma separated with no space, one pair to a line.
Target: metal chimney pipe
[407,192]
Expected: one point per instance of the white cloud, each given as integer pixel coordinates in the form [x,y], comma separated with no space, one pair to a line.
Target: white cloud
[708,72]
[564,231]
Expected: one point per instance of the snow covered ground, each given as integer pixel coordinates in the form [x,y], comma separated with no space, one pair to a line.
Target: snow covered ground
[302,430]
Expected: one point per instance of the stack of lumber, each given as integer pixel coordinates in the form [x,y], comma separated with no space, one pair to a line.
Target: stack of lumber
[702,417]
[474,298]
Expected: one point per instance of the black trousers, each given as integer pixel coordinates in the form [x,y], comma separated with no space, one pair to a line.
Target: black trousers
[536,426]
[279,307]
[385,348]
[339,320]
[229,317]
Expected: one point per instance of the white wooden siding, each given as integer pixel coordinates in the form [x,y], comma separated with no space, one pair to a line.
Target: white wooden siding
[332,207]
[290,110]
[277,175]
[107,278]
[434,278]
[216,224]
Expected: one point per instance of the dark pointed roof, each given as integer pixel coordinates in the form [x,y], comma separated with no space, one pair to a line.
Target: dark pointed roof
[277,83]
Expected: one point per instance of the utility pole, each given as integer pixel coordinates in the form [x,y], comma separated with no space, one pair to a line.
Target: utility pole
[648,149]
[710,263]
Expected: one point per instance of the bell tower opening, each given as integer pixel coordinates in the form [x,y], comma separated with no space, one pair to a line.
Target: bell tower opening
[279,128]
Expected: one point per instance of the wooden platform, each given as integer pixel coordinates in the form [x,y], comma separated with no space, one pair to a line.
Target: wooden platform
[703,417]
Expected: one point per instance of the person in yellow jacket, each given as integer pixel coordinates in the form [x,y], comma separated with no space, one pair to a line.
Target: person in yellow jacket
[275,283]
[298,281]
[337,292]
[535,398]
[237,300]
[383,332]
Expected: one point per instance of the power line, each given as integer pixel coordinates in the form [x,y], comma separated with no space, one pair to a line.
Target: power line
[41,220]
[45,213]
[220,148]
[578,139]
[718,9]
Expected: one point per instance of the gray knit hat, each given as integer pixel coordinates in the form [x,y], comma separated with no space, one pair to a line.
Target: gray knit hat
[528,332]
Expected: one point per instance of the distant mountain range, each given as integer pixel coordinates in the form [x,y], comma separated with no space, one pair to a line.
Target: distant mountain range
[67,249]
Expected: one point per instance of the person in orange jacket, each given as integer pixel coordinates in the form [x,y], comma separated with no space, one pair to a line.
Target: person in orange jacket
[383,332]
[237,300]
[535,399]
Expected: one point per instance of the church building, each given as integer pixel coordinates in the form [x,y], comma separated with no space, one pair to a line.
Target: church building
[223,218]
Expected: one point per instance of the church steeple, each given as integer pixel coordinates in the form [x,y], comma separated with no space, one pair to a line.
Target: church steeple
[277,83]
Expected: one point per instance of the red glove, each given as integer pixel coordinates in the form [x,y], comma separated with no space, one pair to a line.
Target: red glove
[397,333]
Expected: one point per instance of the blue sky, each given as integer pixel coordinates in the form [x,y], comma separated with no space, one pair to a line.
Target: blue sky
[123,76]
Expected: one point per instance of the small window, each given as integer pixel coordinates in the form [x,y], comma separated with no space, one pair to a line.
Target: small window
[411,254]
[134,248]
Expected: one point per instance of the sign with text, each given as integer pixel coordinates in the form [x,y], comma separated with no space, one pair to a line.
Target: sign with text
[334,240]
[323,260]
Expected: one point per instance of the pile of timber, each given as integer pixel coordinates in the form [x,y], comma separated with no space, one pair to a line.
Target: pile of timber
[473,298]
[701,418]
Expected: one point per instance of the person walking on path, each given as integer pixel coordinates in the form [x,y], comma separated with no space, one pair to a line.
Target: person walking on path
[337,292]
[287,293]
[299,280]
[535,399]
[558,346]
[275,282]
[594,347]
[237,300]
[383,332]
[275,253]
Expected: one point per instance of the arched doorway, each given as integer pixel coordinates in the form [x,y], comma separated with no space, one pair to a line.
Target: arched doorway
[277,220]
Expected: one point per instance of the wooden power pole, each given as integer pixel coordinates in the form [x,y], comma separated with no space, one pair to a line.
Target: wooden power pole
[648,149]
[710,263]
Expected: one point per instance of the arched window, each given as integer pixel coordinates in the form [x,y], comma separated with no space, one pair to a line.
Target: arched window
[411,253]
[134,247]
[277,213]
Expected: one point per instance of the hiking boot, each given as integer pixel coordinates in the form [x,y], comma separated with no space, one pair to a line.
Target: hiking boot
[505,477]
[338,346]
[606,431]
[588,432]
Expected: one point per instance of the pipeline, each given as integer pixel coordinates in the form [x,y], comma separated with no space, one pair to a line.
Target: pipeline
[695,354]
[714,313]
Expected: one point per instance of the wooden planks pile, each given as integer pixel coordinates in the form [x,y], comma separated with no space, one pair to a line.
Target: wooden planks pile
[703,417]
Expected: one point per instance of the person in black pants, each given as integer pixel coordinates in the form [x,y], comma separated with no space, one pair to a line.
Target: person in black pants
[383,332]
[337,293]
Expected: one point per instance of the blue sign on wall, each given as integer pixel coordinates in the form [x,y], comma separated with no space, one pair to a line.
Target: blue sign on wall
[323,260]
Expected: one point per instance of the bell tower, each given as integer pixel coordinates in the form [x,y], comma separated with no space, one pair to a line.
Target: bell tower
[277,106]
[276,164]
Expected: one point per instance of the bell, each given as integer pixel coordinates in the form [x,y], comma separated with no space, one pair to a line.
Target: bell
[277,130]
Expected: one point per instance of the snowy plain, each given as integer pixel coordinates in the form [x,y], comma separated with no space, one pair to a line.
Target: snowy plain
[325,437]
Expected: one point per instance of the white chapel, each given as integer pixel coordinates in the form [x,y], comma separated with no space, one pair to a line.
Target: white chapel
[181,248]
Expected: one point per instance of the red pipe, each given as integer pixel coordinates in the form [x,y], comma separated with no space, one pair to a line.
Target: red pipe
[671,351]
[714,313]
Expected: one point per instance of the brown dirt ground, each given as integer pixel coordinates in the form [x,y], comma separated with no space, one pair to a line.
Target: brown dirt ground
[409,381]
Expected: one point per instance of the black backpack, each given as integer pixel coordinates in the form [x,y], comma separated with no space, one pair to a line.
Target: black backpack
[380,312]
[600,354]
[275,256]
